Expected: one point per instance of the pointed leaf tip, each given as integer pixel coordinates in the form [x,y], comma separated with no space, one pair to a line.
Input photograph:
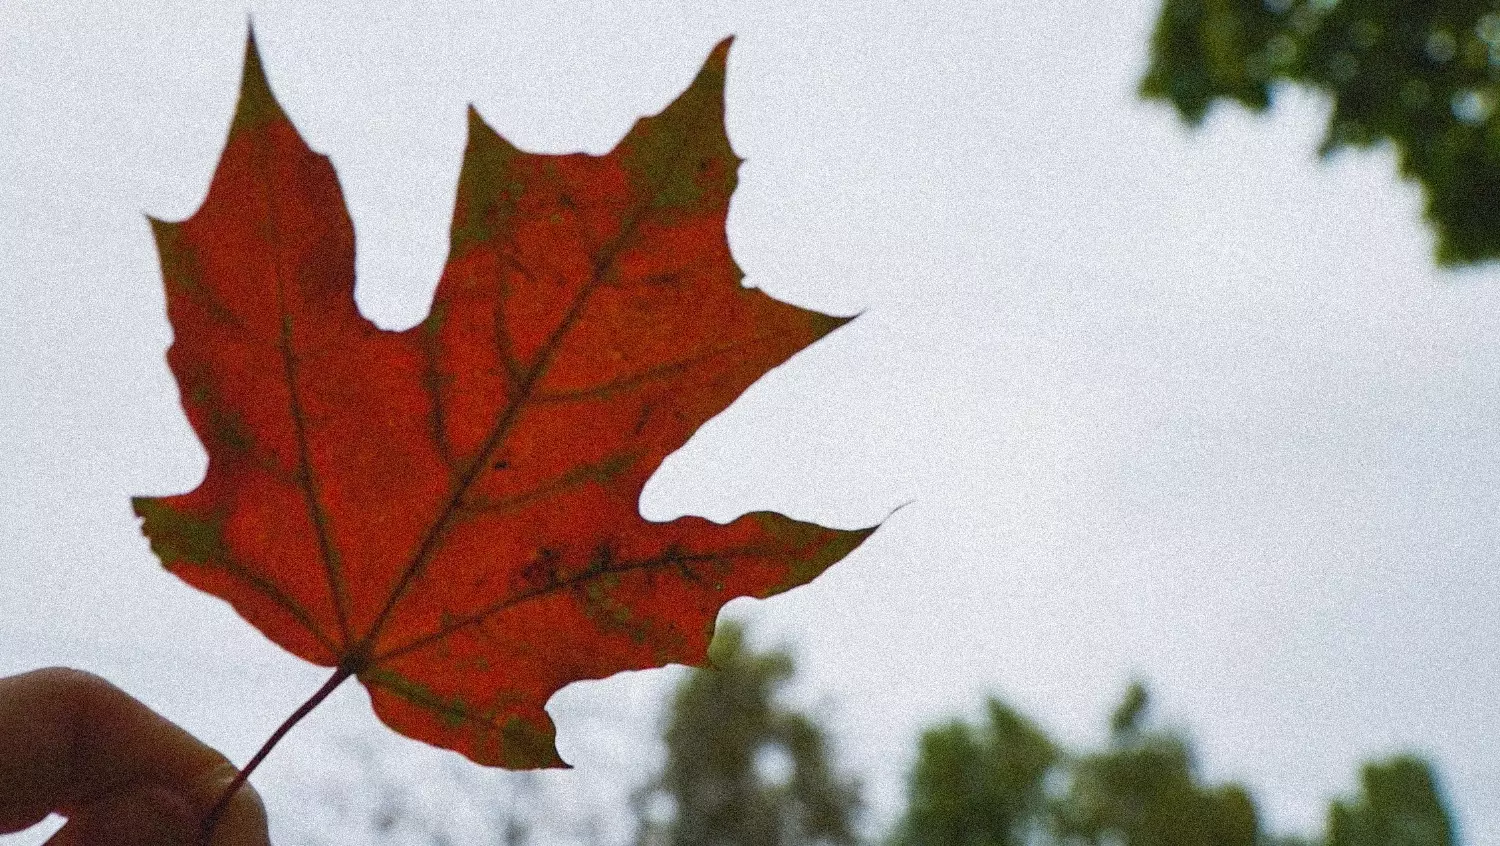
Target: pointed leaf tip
[480,130]
[711,75]
[720,54]
[257,105]
[477,128]
[681,156]
[162,230]
[824,324]
[482,135]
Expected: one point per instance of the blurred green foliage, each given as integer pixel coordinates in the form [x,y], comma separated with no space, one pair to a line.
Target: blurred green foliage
[1400,806]
[1000,781]
[1007,784]
[1004,783]
[1421,75]
[1144,790]
[979,785]
[727,730]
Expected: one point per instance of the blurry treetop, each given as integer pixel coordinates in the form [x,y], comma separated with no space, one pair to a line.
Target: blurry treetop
[1423,75]
[979,785]
[1007,784]
[1400,806]
[742,768]
[1145,790]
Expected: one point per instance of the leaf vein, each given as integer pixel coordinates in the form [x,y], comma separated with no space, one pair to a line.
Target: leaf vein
[454,506]
[671,559]
[305,478]
[271,591]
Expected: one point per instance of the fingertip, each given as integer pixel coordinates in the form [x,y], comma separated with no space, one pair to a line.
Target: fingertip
[149,816]
[21,817]
[243,820]
[71,740]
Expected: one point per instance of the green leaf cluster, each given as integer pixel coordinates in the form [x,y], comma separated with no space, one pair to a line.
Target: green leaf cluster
[725,725]
[979,785]
[1399,806]
[1420,75]
[1143,789]
[1004,783]
[997,781]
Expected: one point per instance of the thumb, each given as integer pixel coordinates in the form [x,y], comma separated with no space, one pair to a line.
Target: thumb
[146,816]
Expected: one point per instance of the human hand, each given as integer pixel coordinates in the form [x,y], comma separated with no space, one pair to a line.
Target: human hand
[73,743]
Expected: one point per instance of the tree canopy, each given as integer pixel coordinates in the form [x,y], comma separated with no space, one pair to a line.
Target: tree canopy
[979,785]
[997,781]
[743,768]
[1005,783]
[1399,805]
[1420,75]
[1144,790]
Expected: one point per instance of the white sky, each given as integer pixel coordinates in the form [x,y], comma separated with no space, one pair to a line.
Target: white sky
[1190,408]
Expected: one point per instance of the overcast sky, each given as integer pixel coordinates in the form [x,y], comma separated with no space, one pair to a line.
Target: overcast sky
[1191,408]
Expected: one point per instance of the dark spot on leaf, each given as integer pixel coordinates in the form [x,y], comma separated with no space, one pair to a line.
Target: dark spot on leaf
[543,571]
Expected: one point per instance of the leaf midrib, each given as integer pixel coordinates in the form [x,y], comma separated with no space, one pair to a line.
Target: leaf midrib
[427,550]
[306,479]
[481,616]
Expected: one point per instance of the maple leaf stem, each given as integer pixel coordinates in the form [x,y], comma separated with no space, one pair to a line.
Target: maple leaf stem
[343,672]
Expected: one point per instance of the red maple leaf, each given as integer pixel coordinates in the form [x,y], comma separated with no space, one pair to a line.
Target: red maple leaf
[449,513]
